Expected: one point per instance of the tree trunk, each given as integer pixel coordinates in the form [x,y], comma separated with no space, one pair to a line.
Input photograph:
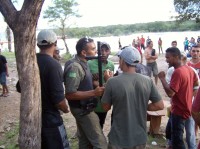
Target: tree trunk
[23,24]
[66,47]
[8,33]
[30,106]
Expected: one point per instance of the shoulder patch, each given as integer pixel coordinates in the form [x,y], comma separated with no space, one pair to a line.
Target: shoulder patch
[72,74]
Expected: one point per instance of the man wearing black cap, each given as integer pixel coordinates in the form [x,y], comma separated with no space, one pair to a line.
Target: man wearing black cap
[106,65]
[53,131]
[129,94]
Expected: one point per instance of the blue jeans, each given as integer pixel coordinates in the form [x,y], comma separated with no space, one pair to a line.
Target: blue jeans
[190,133]
[177,124]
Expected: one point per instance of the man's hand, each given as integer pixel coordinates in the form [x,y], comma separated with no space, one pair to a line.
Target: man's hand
[161,75]
[107,74]
[63,106]
[95,77]
[99,91]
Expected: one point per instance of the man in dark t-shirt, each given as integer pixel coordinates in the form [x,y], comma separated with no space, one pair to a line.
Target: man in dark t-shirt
[53,131]
[3,74]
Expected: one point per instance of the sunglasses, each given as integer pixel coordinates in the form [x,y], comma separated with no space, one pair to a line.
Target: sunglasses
[195,51]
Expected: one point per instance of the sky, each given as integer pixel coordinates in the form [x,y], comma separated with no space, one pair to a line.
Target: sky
[114,12]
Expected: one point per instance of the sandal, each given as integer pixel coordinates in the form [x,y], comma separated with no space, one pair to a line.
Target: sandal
[5,95]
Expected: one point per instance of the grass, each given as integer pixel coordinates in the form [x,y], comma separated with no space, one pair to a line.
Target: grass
[10,138]
[161,142]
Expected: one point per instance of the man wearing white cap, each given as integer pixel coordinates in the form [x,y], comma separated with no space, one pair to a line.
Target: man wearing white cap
[51,75]
[129,93]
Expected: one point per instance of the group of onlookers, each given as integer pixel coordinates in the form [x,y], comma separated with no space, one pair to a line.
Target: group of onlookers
[91,93]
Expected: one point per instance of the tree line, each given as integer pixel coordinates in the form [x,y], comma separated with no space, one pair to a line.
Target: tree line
[118,30]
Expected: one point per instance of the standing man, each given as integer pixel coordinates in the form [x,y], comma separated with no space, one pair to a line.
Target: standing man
[129,94]
[106,65]
[180,90]
[142,39]
[160,45]
[195,60]
[195,63]
[151,56]
[51,75]
[3,74]
[174,43]
[186,44]
[81,96]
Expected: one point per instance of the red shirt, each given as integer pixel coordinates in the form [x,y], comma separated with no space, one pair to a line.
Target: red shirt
[142,40]
[196,102]
[182,83]
[195,66]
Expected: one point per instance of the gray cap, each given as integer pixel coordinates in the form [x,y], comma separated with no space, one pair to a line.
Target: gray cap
[130,55]
[46,37]
[105,44]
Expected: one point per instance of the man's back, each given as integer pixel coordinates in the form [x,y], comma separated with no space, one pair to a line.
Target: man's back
[130,96]
[182,82]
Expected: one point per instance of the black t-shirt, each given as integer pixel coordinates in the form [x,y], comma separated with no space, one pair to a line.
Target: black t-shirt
[2,64]
[52,90]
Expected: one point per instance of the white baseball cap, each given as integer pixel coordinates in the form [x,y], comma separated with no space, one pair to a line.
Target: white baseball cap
[46,37]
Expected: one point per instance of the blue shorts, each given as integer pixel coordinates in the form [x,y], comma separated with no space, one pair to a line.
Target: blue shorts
[3,78]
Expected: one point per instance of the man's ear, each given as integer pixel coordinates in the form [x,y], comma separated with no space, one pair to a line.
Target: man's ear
[83,52]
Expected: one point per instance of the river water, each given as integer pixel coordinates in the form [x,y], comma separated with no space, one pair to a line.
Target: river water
[167,38]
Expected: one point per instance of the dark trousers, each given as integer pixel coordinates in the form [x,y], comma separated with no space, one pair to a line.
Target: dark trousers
[55,138]
[178,124]
[142,47]
[102,117]
[168,128]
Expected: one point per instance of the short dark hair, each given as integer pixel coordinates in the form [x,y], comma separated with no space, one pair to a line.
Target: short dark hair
[174,51]
[44,47]
[174,41]
[81,44]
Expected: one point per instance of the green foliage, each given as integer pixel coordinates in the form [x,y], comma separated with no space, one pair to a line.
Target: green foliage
[61,10]
[187,10]
[118,30]
[65,57]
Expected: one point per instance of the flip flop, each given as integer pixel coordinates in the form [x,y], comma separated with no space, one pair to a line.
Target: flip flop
[5,95]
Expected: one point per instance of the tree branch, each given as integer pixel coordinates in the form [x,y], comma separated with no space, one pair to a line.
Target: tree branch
[8,9]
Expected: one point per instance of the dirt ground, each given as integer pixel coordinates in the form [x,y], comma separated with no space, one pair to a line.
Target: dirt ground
[9,106]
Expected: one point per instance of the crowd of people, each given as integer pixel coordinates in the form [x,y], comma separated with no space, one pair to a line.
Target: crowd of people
[130,93]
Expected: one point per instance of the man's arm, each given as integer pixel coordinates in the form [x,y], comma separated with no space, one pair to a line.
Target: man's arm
[82,95]
[7,74]
[106,106]
[63,106]
[156,106]
[166,86]
[147,56]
